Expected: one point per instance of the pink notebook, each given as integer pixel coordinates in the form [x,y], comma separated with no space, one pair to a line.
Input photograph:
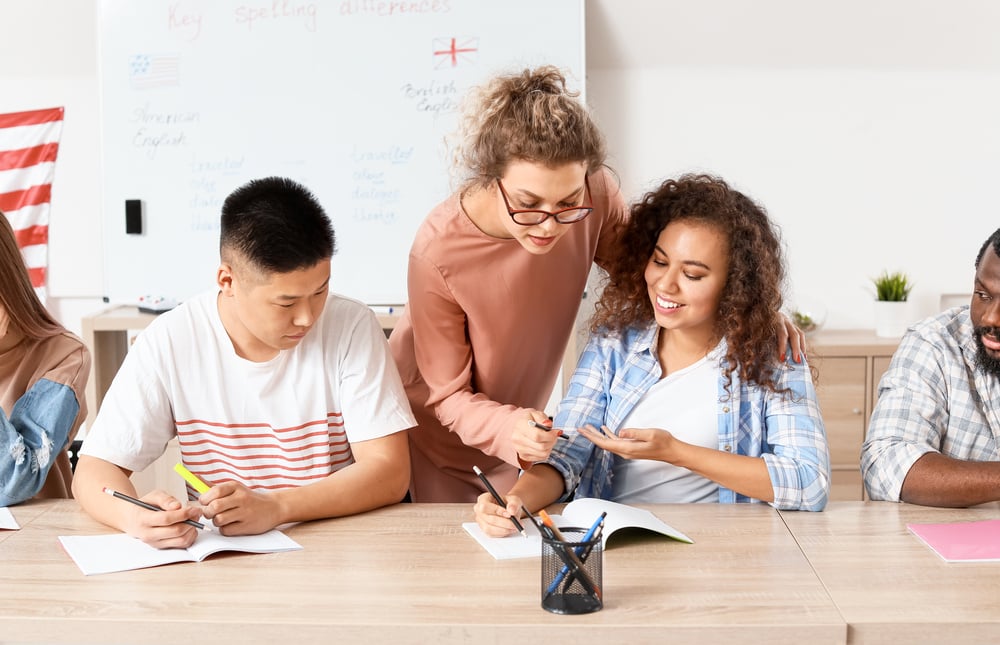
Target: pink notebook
[961,541]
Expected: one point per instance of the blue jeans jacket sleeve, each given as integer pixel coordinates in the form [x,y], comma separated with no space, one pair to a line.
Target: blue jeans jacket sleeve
[30,439]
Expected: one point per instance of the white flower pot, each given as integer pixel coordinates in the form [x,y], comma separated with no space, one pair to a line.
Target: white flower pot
[892,318]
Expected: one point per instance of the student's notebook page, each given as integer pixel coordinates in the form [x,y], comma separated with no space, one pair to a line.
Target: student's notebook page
[961,541]
[579,513]
[7,520]
[96,554]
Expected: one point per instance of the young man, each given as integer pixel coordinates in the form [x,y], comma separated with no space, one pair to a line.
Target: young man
[283,396]
[933,436]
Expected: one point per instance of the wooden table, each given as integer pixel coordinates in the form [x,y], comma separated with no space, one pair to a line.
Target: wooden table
[889,586]
[409,574]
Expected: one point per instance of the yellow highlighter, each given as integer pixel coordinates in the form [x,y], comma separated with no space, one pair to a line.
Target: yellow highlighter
[190,478]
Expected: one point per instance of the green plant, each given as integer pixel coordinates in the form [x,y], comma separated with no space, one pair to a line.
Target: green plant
[892,287]
[803,321]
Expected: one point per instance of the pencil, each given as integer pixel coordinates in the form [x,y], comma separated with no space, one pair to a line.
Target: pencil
[151,507]
[498,499]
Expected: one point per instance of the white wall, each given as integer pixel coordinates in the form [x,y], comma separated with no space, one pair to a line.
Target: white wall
[868,128]
[48,58]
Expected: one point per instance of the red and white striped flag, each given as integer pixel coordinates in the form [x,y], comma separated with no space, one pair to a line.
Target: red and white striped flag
[29,142]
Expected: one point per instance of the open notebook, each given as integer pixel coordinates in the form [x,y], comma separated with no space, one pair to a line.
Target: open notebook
[120,552]
[580,513]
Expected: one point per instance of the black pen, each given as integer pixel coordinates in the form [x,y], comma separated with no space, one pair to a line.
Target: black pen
[542,426]
[498,499]
[150,507]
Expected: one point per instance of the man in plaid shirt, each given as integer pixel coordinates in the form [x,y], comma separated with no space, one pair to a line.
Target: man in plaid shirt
[933,438]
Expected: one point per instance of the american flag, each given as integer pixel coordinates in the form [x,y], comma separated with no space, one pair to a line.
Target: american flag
[146,71]
[29,142]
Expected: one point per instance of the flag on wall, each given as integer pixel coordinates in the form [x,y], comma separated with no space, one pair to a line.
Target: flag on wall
[29,142]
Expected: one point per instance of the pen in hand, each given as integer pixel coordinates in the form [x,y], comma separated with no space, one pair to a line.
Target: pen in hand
[150,507]
[542,426]
[498,499]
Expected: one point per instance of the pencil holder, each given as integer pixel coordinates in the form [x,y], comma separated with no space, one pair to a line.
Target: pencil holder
[572,571]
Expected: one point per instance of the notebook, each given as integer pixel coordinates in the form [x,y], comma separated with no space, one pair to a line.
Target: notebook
[96,554]
[961,541]
[580,513]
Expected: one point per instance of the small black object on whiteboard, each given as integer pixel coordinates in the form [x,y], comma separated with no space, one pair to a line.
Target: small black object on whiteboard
[133,216]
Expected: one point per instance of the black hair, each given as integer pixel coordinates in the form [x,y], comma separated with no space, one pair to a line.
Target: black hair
[276,225]
[994,241]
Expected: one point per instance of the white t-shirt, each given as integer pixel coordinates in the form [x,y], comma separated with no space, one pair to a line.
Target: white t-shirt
[285,422]
[686,404]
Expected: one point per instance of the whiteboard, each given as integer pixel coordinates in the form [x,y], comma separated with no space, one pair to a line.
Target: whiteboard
[351,98]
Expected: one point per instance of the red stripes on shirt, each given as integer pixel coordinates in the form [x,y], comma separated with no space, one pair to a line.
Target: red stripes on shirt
[261,456]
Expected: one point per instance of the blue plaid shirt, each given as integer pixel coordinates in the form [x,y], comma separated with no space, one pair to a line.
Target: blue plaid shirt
[933,398]
[615,371]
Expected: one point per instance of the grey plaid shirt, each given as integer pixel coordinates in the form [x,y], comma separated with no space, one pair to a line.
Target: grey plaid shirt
[932,398]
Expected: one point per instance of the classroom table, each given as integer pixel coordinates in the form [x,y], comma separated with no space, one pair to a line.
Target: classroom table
[888,585]
[410,573]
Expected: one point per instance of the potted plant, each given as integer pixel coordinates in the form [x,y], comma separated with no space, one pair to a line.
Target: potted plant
[892,311]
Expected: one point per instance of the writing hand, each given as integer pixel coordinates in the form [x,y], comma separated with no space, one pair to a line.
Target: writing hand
[162,529]
[493,519]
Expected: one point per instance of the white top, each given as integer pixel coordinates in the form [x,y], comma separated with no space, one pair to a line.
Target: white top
[285,422]
[683,403]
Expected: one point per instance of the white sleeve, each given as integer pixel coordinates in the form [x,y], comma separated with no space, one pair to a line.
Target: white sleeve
[135,420]
[371,393]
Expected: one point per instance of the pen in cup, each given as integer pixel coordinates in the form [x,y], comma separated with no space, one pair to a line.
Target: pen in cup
[569,557]
[499,500]
[150,507]
[580,551]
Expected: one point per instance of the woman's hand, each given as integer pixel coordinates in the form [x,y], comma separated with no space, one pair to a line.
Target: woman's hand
[789,332]
[493,519]
[531,442]
[635,443]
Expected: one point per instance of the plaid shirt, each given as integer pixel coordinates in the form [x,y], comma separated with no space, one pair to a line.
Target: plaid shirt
[932,398]
[785,430]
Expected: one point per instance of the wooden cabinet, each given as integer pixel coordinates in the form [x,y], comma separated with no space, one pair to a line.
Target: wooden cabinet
[849,364]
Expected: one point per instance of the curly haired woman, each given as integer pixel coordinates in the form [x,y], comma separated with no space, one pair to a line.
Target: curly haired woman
[683,374]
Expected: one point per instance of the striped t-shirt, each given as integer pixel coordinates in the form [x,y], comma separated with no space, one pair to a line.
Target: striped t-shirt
[285,422]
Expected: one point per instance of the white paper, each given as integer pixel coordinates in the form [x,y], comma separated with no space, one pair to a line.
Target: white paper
[96,554]
[7,520]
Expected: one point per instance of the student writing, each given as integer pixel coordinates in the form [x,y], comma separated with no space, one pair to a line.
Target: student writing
[283,395]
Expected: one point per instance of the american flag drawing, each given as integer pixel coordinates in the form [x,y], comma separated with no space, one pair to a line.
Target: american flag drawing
[146,71]
[29,143]
[449,52]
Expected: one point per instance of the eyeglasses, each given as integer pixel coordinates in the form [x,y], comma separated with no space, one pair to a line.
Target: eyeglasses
[533,216]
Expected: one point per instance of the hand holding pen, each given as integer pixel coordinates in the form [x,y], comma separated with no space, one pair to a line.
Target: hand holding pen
[159,520]
[499,500]
[534,438]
